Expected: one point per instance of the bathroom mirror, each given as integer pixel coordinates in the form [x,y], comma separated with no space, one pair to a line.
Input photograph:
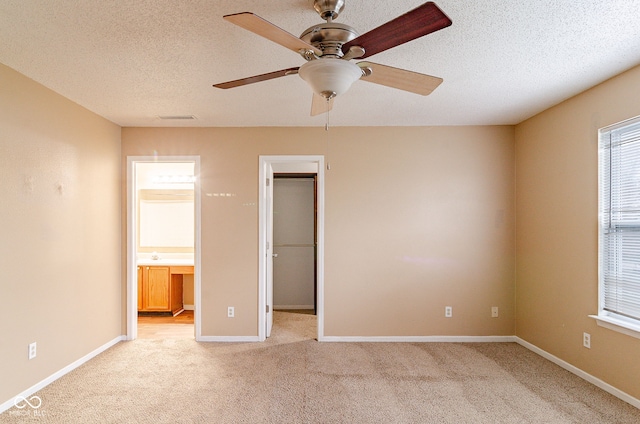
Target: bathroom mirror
[166,219]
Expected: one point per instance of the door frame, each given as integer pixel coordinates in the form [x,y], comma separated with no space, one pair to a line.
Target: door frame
[287,164]
[132,229]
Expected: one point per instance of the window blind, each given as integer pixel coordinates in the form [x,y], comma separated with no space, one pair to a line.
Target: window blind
[620,219]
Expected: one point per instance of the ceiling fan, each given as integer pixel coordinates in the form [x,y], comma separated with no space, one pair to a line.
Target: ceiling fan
[329,47]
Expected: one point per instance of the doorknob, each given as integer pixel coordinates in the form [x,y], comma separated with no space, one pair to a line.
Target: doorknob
[275,255]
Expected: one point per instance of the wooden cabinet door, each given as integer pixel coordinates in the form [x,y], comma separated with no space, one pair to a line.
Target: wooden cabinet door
[157,289]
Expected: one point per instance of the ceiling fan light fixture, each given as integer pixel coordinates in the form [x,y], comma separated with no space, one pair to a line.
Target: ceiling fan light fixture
[330,77]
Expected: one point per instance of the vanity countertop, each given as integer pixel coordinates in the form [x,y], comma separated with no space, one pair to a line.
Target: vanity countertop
[165,262]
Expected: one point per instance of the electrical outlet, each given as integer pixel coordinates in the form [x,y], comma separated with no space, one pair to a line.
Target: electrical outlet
[231,312]
[494,312]
[32,350]
[448,311]
[586,340]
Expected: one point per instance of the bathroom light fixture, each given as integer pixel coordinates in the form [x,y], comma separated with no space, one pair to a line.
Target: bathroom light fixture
[176,117]
[330,77]
[174,179]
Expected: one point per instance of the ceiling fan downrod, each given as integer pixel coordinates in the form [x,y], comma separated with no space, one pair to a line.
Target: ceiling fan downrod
[330,36]
[328,9]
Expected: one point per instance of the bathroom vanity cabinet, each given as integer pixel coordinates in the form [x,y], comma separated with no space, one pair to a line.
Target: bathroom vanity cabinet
[160,288]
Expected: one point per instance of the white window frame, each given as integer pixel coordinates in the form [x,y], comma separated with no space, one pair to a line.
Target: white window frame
[607,316]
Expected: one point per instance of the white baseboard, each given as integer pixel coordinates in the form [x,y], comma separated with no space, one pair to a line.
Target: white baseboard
[420,339]
[53,377]
[582,374]
[285,307]
[189,307]
[228,339]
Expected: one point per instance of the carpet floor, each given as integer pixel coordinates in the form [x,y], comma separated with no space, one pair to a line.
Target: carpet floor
[291,378]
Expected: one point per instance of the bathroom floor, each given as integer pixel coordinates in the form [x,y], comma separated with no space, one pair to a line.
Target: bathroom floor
[166,327]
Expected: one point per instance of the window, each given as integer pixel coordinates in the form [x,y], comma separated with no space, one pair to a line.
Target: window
[619,217]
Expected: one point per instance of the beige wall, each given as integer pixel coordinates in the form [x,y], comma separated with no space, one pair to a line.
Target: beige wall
[557,232]
[416,219]
[60,225]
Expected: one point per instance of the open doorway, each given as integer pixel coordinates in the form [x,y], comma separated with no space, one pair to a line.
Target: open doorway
[277,165]
[295,242]
[163,227]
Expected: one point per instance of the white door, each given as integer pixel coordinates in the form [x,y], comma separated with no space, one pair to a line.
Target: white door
[269,247]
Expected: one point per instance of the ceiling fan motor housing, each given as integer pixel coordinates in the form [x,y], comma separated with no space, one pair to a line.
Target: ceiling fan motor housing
[329,37]
[328,9]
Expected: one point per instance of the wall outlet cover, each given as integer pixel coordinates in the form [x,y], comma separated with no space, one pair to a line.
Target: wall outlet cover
[32,350]
[586,340]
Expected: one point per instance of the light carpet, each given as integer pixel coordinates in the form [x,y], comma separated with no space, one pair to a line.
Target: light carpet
[291,378]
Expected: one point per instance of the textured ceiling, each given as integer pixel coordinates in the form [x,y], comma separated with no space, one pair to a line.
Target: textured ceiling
[131,61]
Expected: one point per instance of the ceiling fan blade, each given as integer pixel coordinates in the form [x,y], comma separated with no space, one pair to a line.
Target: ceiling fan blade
[418,22]
[402,79]
[266,29]
[320,105]
[257,78]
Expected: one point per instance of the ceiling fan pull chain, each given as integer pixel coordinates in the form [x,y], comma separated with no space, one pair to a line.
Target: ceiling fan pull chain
[326,125]
[326,128]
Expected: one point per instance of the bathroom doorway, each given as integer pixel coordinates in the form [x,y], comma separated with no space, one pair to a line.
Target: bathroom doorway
[163,240]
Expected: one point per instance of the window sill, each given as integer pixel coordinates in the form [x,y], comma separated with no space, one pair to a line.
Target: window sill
[621,325]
